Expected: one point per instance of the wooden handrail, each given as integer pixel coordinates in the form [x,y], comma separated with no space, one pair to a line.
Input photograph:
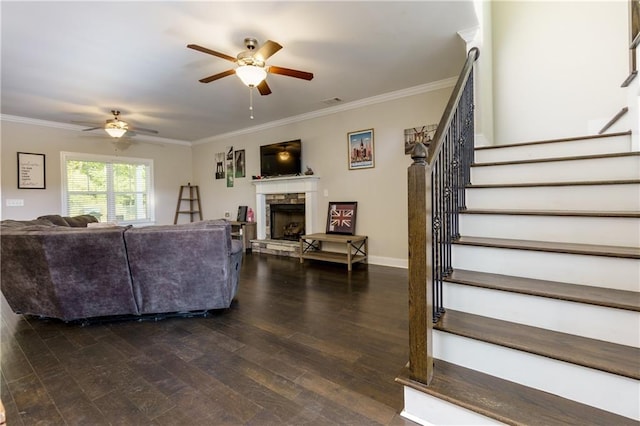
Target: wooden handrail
[615,118]
[421,239]
[438,139]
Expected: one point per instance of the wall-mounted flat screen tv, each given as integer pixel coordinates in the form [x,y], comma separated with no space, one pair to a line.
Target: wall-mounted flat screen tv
[281,159]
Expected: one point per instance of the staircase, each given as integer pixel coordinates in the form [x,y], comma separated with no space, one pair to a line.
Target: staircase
[542,322]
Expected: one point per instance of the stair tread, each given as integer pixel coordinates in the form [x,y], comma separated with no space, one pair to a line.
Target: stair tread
[612,298]
[578,213]
[506,401]
[571,139]
[546,184]
[557,159]
[597,354]
[555,247]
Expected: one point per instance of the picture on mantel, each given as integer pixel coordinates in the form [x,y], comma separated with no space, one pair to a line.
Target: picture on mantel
[219,165]
[230,174]
[418,134]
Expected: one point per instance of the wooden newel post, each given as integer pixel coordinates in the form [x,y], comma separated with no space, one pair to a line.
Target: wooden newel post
[420,271]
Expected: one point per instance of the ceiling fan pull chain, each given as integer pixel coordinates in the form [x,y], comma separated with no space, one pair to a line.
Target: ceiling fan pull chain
[250,103]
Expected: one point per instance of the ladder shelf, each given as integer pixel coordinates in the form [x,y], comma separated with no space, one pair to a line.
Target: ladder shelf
[192,197]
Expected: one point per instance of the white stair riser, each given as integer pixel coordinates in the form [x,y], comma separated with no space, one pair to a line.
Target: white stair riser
[559,171]
[597,271]
[570,229]
[606,391]
[427,410]
[578,197]
[558,315]
[562,149]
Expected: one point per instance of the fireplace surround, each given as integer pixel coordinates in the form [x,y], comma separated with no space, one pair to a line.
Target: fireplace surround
[305,188]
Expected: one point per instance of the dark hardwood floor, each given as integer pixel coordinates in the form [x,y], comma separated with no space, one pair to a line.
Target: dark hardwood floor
[303,344]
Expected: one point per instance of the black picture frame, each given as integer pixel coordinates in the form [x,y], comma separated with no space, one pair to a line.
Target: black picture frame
[31,171]
[242,214]
[341,217]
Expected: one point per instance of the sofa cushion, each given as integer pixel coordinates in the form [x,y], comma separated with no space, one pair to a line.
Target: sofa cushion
[56,219]
[80,221]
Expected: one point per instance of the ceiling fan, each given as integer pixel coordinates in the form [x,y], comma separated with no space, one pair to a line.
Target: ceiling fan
[252,69]
[117,128]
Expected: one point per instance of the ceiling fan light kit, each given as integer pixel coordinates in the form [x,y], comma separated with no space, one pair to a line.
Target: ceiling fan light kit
[116,128]
[251,75]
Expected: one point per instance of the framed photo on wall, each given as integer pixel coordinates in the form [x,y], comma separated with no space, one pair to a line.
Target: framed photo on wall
[360,145]
[341,217]
[31,171]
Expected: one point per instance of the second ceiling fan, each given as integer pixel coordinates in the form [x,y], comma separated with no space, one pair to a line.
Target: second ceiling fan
[252,69]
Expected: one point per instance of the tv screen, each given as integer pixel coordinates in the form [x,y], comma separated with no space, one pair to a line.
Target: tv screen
[280,159]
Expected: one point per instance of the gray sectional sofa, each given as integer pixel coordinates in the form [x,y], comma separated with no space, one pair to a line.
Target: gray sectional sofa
[77,272]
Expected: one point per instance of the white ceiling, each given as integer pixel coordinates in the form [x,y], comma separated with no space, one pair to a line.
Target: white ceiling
[66,61]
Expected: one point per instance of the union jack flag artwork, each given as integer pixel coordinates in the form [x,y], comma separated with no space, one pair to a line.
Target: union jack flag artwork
[341,218]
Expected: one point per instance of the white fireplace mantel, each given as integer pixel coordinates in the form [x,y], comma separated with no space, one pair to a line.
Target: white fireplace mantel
[287,185]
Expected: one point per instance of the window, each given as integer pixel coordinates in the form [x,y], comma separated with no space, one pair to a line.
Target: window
[113,189]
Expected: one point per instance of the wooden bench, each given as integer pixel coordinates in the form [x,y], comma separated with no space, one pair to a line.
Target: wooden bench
[357,248]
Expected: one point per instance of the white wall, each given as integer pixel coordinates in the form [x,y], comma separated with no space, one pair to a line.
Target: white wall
[381,192]
[172,168]
[557,67]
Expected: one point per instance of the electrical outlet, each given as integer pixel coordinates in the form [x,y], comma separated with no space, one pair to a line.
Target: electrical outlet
[326,192]
[227,214]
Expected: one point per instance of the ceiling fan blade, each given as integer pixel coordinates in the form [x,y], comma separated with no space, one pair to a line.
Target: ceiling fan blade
[93,128]
[86,123]
[211,52]
[136,129]
[267,50]
[217,76]
[290,73]
[264,88]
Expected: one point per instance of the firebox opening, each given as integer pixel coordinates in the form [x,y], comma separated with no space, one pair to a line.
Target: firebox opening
[287,221]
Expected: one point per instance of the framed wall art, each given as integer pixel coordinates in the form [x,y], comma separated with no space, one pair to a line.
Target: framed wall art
[240,165]
[31,171]
[360,145]
[341,217]
[419,134]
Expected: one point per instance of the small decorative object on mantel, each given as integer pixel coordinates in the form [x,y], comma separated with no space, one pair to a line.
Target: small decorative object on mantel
[309,171]
[341,217]
[360,145]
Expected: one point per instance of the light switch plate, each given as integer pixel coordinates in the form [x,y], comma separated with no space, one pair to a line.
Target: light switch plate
[15,202]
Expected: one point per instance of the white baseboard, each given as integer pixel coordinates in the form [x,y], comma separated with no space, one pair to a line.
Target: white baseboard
[389,261]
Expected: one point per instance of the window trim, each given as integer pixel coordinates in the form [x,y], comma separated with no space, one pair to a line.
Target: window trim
[67,156]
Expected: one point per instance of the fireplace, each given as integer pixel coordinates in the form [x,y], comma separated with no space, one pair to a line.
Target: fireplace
[286,221]
[292,190]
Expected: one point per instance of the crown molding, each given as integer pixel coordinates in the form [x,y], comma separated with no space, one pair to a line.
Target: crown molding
[385,97]
[373,100]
